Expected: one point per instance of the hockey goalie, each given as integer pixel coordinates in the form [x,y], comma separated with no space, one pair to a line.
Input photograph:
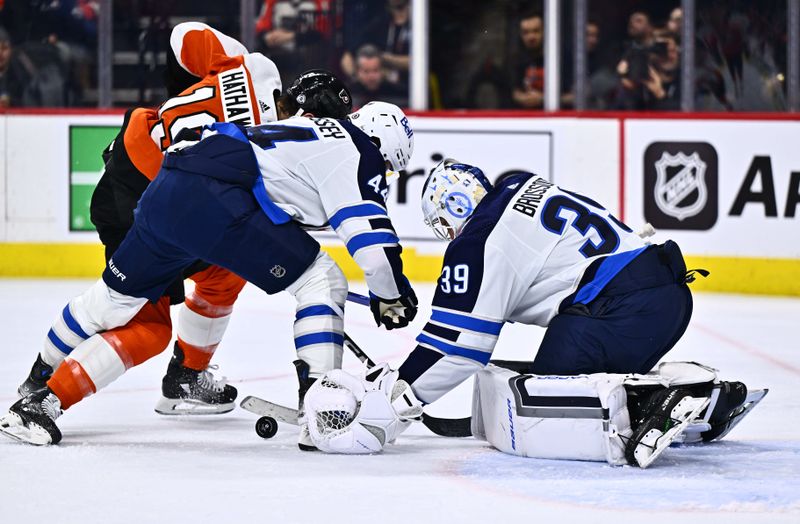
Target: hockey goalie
[527,251]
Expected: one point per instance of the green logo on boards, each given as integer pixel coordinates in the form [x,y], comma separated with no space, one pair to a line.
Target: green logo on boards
[86,145]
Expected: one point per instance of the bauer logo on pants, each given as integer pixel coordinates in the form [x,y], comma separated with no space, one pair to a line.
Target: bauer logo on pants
[680,185]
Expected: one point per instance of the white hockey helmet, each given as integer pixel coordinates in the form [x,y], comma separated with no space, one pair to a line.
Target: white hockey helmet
[352,415]
[389,125]
[450,195]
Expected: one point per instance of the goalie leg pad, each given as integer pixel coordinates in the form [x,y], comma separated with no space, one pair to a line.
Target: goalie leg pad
[582,417]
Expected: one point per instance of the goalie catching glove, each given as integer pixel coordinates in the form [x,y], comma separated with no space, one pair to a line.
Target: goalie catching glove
[397,312]
[355,415]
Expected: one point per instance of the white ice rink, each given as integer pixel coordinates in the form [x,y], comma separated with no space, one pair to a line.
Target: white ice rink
[120,462]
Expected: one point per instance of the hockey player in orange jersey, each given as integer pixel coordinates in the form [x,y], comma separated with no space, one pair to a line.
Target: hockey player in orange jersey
[210,77]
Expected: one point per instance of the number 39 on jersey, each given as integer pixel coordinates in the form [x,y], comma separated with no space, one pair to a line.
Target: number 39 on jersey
[455,280]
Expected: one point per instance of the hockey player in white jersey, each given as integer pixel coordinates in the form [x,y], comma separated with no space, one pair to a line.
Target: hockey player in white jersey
[528,251]
[241,198]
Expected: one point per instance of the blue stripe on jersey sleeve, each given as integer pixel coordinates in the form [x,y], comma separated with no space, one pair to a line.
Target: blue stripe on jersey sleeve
[359,210]
[314,311]
[467,322]
[450,349]
[370,239]
[608,269]
[72,324]
[274,213]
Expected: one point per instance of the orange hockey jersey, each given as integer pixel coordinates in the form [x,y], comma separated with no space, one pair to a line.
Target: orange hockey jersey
[232,86]
[235,86]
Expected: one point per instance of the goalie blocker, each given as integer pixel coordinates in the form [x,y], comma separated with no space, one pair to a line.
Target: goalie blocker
[616,418]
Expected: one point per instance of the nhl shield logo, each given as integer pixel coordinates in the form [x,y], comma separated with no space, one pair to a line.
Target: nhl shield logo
[681,185]
[278,271]
[680,189]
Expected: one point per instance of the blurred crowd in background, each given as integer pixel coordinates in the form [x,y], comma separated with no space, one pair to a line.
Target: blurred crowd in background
[483,54]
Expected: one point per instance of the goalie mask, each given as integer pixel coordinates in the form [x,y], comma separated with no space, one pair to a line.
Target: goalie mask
[450,195]
[353,415]
[388,127]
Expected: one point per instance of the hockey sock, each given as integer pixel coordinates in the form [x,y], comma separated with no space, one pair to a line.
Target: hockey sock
[318,337]
[104,357]
[65,334]
[71,383]
[204,317]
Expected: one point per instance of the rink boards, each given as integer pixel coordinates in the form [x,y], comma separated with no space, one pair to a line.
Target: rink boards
[727,189]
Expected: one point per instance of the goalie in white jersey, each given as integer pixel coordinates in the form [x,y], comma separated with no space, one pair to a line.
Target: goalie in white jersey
[528,251]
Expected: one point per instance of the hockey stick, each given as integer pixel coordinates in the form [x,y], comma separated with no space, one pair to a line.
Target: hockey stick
[445,427]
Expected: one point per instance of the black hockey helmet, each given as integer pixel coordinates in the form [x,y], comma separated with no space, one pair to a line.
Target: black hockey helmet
[319,92]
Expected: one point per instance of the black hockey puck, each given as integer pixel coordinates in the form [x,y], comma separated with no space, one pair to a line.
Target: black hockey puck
[266,427]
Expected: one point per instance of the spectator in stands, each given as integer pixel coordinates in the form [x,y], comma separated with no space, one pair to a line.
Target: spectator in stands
[602,81]
[390,33]
[73,32]
[675,22]
[369,83]
[528,82]
[12,78]
[295,34]
[650,77]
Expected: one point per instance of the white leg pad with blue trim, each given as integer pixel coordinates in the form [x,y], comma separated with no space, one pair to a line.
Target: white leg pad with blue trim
[583,417]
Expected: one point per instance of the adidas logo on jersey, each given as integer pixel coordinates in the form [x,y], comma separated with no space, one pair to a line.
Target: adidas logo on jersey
[236,97]
[264,107]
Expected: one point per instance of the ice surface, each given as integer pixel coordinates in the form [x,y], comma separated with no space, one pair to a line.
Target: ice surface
[121,462]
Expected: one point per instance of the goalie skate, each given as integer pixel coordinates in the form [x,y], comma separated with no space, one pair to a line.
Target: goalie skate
[701,431]
[265,408]
[676,411]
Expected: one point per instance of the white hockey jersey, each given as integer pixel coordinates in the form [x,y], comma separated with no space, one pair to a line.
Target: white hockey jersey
[529,250]
[324,172]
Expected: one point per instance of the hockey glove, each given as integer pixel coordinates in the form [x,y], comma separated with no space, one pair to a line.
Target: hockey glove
[394,313]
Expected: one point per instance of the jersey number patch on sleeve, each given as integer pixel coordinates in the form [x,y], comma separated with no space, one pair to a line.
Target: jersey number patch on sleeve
[459,276]
[585,222]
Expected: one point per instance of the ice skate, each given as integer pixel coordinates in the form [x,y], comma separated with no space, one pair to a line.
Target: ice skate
[37,379]
[32,419]
[186,391]
[664,416]
[730,403]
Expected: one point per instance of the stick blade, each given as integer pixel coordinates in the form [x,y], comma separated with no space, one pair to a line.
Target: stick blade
[448,427]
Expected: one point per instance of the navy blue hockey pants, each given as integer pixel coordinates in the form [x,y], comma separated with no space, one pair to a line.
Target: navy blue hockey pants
[201,206]
[628,327]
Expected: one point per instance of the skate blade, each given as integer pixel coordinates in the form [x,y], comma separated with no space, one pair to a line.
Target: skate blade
[265,408]
[691,405]
[182,406]
[751,401]
[12,427]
